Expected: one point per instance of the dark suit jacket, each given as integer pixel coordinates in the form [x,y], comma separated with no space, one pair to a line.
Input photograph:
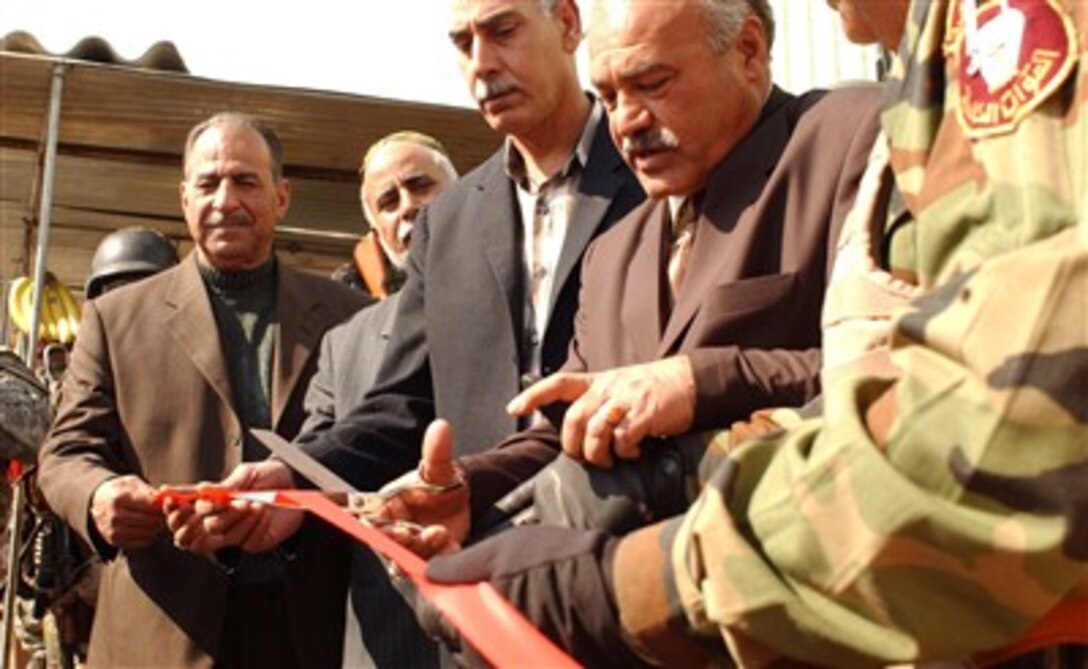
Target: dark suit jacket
[148,393]
[748,313]
[458,349]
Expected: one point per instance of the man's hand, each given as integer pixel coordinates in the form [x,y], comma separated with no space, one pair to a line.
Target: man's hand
[206,527]
[613,411]
[559,579]
[445,516]
[124,512]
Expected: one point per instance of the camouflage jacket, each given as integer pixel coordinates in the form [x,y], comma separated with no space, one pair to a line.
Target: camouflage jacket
[938,511]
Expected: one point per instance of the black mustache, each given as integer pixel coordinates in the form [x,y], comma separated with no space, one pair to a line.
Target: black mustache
[237,220]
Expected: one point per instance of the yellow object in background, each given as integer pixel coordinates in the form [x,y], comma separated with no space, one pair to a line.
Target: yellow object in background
[60,315]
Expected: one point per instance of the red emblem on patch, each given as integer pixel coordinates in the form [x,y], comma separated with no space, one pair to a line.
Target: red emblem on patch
[1008,57]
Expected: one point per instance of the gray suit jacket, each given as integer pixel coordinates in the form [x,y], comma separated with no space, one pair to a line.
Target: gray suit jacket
[350,356]
[384,631]
[459,350]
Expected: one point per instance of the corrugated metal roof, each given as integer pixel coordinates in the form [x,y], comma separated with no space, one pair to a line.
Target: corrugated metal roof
[162,55]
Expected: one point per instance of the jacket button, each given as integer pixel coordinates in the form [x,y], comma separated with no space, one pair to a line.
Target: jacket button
[528,380]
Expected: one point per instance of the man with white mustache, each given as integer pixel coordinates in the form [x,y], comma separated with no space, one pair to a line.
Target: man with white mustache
[400,173]
[668,341]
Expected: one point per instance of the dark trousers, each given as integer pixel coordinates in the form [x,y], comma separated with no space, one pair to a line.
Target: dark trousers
[390,633]
[256,631]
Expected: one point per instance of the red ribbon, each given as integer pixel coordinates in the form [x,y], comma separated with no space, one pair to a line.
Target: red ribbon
[487,621]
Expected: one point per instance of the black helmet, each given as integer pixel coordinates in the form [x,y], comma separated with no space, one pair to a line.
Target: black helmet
[132,253]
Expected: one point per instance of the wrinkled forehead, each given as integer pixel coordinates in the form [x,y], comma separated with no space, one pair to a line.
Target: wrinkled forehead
[229,143]
[400,160]
[464,13]
[620,30]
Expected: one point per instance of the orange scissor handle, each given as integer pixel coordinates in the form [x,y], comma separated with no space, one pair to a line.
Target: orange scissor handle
[185,494]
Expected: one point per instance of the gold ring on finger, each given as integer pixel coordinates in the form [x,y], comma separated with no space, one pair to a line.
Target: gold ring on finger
[615,415]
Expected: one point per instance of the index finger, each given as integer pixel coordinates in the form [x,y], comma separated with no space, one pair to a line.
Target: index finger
[560,387]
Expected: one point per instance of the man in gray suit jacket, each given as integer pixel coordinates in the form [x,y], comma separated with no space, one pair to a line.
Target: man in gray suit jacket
[493,271]
[400,174]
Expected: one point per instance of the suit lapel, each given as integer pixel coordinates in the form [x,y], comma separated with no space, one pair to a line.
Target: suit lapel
[643,306]
[192,325]
[596,190]
[298,315]
[497,212]
[733,186]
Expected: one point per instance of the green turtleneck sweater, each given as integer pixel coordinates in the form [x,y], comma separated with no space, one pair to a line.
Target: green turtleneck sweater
[244,306]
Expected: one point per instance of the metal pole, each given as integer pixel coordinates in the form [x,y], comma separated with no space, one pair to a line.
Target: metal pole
[45,211]
[18,500]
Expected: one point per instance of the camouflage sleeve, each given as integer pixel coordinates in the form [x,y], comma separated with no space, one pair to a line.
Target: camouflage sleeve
[949,499]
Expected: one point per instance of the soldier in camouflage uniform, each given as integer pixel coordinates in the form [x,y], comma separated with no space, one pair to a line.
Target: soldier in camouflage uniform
[938,508]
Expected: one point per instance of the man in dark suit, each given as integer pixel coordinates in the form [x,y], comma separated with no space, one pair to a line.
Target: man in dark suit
[494,264]
[167,376]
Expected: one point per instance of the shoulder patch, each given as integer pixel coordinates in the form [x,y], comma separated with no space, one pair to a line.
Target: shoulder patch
[1007,57]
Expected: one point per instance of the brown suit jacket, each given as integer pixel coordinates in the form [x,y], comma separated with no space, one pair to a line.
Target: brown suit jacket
[148,393]
[748,313]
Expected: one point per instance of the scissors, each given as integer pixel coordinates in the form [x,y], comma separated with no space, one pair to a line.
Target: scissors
[366,506]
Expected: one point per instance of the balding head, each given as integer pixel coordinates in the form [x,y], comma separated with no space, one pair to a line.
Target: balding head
[401,173]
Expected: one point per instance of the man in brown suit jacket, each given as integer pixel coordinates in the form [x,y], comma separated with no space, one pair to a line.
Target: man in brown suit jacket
[772,177]
[166,378]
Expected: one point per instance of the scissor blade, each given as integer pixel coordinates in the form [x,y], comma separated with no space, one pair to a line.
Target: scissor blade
[318,474]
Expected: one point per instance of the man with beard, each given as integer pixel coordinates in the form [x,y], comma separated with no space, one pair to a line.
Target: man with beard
[401,173]
[398,175]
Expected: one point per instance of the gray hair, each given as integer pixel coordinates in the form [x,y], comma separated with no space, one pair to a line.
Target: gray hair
[239,120]
[724,19]
[442,157]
